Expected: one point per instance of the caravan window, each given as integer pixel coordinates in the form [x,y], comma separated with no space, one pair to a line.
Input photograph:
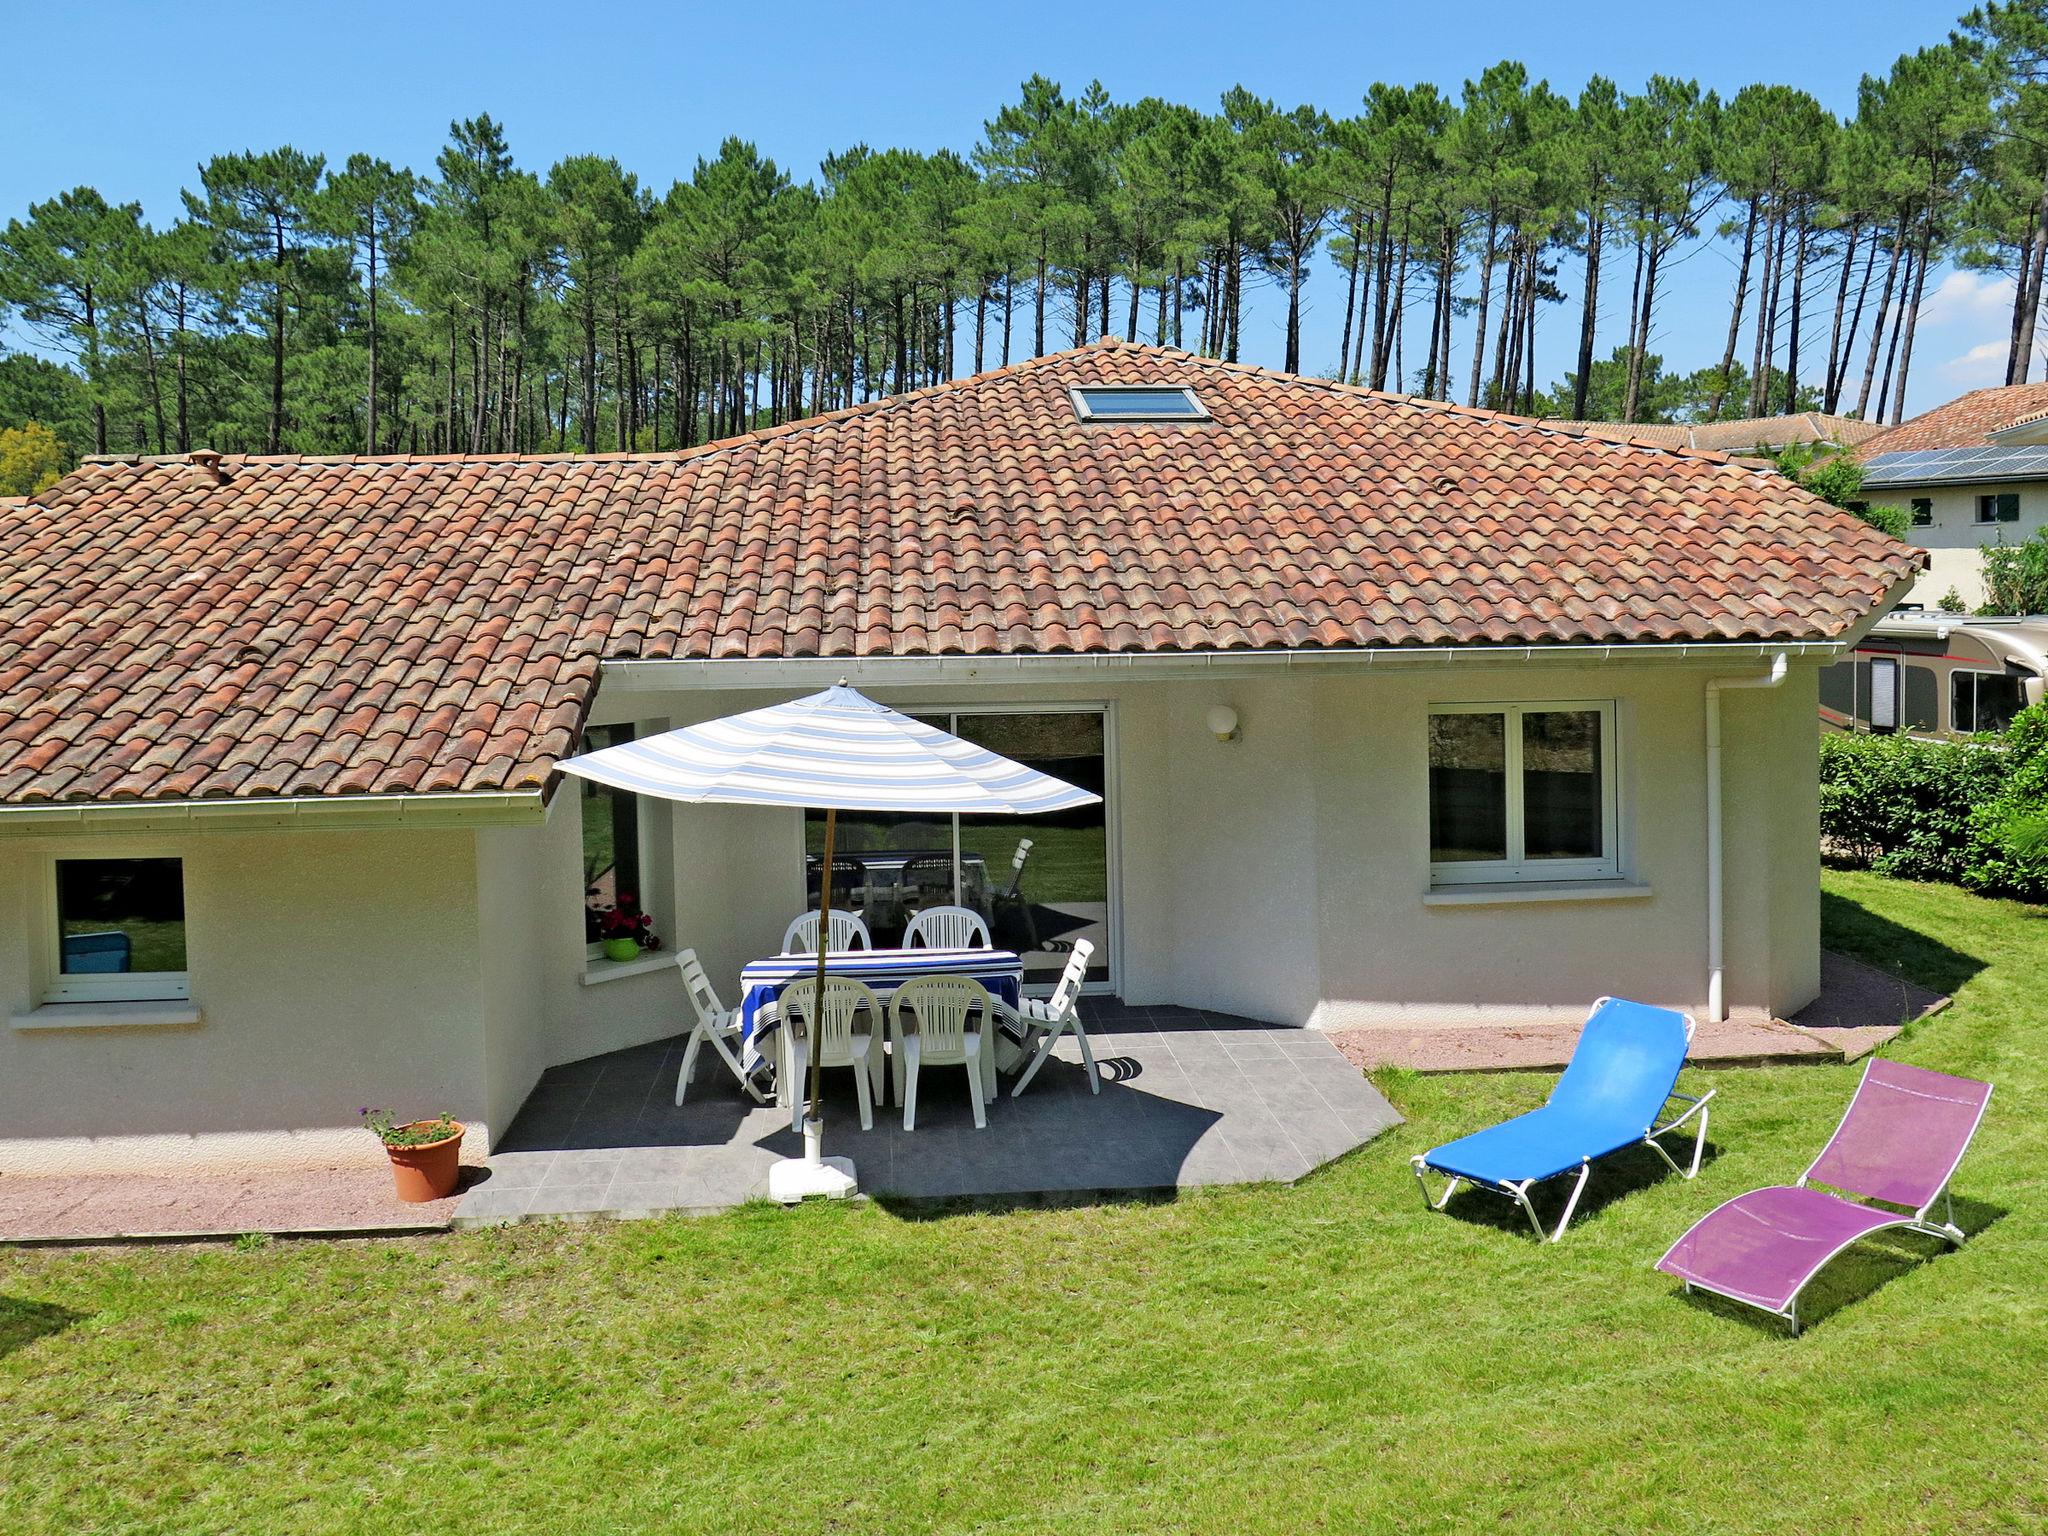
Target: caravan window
[1985,701]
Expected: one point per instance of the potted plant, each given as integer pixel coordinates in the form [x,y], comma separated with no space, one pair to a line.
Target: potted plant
[625,931]
[426,1155]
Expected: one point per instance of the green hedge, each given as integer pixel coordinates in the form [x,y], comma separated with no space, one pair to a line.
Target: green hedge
[1940,810]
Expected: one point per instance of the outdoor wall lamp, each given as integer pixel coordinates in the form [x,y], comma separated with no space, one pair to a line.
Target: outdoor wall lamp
[1223,722]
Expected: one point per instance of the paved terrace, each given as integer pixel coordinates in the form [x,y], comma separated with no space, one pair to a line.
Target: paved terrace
[1187,1099]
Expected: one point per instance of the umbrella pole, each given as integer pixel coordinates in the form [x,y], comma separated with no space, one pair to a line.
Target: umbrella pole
[797,1178]
[816,1112]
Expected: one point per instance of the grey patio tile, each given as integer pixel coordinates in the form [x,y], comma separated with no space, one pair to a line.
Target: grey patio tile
[491,1202]
[576,1168]
[568,1200]
[1187,1099]
[517,1170]
[643,1199]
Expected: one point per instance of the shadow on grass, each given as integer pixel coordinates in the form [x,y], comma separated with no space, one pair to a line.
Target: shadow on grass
[1858,1274]
[23,1322]
[944,1207]
[1614,1178]
[1850,928]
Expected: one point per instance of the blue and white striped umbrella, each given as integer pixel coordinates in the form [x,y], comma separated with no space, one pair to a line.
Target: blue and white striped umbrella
[836,750]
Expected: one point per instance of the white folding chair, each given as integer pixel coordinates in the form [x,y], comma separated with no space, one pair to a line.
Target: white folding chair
[1058,1015]
[848,932]
[937,1033]
[827,1027]
[947,928]
[717,1025]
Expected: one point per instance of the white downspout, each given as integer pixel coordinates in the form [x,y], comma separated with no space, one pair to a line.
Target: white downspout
[1717,1007]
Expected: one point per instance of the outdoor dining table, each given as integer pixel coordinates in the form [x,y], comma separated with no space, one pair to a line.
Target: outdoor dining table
[1001,971]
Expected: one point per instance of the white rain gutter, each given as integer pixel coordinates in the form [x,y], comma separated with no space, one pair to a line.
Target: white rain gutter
[464,807]
[1717,1008]
[635,676]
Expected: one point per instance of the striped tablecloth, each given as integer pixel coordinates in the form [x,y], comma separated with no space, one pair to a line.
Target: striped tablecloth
[884,970]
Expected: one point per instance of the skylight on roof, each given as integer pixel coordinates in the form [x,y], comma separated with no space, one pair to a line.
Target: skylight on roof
[1137,402]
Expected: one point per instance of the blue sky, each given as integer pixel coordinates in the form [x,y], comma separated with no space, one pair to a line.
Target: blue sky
[131,97]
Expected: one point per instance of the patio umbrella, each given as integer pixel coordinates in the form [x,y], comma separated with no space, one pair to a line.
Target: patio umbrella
[832,751]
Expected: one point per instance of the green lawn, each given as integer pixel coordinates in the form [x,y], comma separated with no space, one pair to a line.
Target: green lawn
[1324,1358]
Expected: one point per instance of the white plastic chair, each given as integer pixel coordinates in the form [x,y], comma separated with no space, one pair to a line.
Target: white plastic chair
[1058,1015]
[716,1025]
[848,932]
[836,1042]
[936,1034]
[947,928]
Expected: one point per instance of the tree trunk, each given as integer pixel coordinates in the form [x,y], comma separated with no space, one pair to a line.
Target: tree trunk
[1344,370]
[1884,308]
[277,345]
[1828,385]
[1038,336]
[92,373]
[1635,362]
[184,414]
[2027,297]
[980,321]
[1293,363]
[370,406]
[1485,297]
[1735,313]
[1912,315]
[1884,393]
[1834,401]
[1791,397]
[1596,229]
[1766,321]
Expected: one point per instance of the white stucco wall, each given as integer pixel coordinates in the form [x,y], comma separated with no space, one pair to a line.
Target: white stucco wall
[1955,540]
[332,970]
[1283,875]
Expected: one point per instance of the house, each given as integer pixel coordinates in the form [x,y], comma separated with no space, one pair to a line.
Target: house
[1758,437]
[1971,473]
[1400,711]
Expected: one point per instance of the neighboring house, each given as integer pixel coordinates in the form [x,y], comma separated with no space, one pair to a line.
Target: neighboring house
[1970,473]
[1758,437]
[281,832]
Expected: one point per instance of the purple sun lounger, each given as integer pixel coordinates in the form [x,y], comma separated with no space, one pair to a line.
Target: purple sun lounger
[1622,1075]
[1905,1131]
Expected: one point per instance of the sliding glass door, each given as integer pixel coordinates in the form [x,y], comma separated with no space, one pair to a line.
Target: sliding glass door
[1042,882]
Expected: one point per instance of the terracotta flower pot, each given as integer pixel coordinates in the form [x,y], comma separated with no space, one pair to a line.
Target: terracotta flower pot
[429,1170]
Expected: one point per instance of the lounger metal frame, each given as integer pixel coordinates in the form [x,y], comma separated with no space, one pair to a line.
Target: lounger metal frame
[1945,1229]
[1519,1192]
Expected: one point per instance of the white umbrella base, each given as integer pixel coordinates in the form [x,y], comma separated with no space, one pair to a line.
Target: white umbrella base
[795,1179]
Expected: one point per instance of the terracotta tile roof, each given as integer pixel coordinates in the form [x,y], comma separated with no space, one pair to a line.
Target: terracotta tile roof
[1734,437]
[1965,422]
[177,629]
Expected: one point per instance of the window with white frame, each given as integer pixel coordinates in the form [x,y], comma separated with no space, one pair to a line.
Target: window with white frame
[1522,792]
[119,930]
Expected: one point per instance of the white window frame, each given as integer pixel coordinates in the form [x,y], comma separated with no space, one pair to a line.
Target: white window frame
[1521,868]
[1079,393]
[105,986]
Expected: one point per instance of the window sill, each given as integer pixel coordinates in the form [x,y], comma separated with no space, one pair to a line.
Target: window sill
[175,1014]
[598,971]
[1513,893]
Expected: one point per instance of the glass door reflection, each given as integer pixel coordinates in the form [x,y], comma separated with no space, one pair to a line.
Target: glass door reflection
[1041,882]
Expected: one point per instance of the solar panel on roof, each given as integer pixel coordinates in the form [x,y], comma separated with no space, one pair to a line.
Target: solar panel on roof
[1953,464]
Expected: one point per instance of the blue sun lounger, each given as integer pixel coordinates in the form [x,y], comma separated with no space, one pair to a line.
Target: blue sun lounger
[1623,1073]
